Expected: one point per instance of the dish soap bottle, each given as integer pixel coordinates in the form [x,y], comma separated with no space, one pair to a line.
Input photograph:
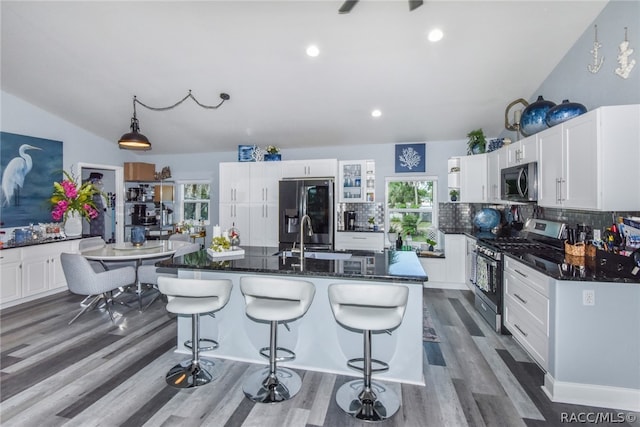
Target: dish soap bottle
[399,242]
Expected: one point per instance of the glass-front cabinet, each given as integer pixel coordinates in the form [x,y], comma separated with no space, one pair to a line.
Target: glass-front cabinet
[356,181]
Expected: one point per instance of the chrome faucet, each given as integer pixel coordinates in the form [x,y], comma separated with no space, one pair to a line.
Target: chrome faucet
[310,233]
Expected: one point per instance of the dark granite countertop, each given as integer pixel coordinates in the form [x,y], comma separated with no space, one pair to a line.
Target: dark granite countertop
[386,266]
[39,242]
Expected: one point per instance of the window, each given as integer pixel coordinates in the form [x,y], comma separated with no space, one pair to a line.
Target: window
[412,207]
[195,202]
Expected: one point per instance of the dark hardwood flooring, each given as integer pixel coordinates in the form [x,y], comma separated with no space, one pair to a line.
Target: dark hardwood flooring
[93,373]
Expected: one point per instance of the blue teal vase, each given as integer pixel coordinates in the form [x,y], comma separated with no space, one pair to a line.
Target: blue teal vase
[564,111]
[534,116]
[137,235]
[486,219]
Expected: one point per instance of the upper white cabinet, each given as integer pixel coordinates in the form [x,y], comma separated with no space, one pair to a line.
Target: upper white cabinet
[591,161]
[356,181]
[320,168]
[496,161]
[521,152]
[235,182]
[473,179]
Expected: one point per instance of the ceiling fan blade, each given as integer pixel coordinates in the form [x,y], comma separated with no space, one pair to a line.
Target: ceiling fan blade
[414,4]
[347,6]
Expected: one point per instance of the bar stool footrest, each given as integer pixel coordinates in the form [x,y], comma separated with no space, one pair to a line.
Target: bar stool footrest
[213,346]
[264,352]
[382,366]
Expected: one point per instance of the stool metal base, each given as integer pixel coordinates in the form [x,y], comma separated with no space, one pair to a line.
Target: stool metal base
[186,374]
[352,399]
[261,387]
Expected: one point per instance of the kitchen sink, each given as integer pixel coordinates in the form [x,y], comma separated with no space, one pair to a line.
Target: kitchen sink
[316,255]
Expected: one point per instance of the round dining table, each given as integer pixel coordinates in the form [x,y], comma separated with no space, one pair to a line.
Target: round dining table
[112,254]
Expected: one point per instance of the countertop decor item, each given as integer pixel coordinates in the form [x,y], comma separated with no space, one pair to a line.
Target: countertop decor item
[534,117]
[517,107]
[454,195]
[564,111]
[477,142]
[486,219]
[70,197]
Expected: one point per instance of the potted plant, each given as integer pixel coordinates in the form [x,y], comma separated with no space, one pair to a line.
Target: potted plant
[392,233]
[477,142]
[431,244]
[372,222]
[454,195]
[272,153]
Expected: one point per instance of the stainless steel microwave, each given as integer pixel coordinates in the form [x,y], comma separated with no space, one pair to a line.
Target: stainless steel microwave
[520,183]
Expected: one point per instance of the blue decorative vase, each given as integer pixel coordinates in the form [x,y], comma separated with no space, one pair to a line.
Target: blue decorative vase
[487,219]
[272,157]
[564,111]
[137,235]
[534,116]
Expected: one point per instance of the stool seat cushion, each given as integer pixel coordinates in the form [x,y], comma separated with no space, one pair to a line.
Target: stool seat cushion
[194,296]
[276,299]
[371,307]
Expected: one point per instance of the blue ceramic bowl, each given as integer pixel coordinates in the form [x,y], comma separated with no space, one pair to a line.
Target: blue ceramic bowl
[564,111]
[534,117]
[486,219]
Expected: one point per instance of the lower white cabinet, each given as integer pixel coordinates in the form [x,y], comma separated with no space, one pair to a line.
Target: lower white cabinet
[10,275]
[450,269]
[30,272]
[359,241]
[470,262]
[526,308]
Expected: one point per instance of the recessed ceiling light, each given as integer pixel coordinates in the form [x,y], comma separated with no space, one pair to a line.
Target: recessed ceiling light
[376,113]
[313,51]
[435,35]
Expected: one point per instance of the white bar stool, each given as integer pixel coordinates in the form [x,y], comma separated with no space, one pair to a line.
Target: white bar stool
[194,297]
[368,307]
[274,300]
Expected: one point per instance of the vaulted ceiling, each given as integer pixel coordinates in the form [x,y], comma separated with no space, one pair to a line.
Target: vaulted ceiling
[85,60]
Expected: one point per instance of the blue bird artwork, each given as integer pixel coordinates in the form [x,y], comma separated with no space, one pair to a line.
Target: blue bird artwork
[29,166]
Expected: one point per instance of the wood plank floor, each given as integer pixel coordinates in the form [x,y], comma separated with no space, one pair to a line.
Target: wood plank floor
[93,373]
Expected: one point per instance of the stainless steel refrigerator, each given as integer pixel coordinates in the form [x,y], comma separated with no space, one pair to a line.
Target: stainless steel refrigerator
[313,197]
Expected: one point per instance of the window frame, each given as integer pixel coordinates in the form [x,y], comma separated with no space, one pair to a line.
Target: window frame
[181,200]
[408,178]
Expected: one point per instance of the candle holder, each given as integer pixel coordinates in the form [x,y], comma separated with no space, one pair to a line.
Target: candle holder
[517,114]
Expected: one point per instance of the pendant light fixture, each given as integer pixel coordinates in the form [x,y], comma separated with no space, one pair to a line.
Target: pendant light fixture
[134,140]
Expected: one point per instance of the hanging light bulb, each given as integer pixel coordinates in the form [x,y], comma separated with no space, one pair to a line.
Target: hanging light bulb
[134,140]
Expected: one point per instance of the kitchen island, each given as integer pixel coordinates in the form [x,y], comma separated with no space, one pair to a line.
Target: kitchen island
[319,342]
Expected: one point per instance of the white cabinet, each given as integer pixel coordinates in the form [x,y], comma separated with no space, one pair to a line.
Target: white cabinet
[521,152]
[34,271]
[41,267]
[10,275]
[319,168]
[496,161]
[454,245]
[473,174]
[359,240]
[356,181]
[591,161]
[470,262]
[249,201]
[235,182]
[526,308]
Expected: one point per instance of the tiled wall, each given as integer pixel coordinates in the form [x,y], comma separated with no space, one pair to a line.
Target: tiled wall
[363,212]
[452,215]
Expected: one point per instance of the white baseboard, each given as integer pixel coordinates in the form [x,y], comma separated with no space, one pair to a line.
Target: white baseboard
[600,396]
[445,285]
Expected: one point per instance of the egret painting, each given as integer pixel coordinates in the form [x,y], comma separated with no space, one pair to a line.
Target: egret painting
[28,168]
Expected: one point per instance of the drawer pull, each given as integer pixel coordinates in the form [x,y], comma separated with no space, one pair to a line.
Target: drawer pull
[521,331]
[520,272]
[522,300]
[359,238]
